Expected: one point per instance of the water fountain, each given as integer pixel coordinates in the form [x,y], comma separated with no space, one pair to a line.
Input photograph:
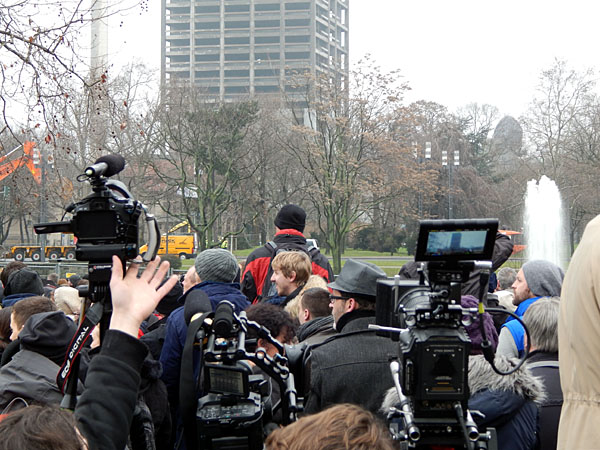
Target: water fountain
[544,229]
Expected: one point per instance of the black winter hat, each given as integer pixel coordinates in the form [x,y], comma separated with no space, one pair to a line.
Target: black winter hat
[169,302]
[291,216]
[49,334]
[24,281]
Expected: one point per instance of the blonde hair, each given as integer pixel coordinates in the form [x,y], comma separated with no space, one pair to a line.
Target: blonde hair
[293,306]
[341,427]
[292,261]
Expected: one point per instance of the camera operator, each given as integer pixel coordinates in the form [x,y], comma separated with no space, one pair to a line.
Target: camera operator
[340,369]
[105,409]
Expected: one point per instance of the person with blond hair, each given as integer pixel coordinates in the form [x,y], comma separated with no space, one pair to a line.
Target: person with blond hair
[291,271]
[340,427]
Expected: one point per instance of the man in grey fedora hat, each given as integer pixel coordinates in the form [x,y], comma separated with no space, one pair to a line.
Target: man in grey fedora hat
[352,366]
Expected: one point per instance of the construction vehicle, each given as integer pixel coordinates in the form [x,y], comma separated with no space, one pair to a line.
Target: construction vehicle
[182,245]
[30,159]
[52,252]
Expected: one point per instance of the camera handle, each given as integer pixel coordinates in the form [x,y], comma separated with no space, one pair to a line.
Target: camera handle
[412,432]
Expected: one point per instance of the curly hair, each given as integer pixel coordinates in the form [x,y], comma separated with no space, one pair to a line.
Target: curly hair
[341,427]
[274,319]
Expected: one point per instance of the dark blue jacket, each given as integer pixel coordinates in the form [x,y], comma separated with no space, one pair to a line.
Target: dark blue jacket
[514,417]
[10,300]
[170,356]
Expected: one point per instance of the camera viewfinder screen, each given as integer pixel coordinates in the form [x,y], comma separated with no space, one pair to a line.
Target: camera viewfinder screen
[227,381]
[448,243]
[96,225]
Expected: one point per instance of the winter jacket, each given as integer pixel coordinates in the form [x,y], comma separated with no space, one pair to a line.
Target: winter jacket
[31,373]
[508,403]
[105,409]
[10,300]
[258,264]
[342,367]
[544,365]
[579,345]
[170,356]
[316,330]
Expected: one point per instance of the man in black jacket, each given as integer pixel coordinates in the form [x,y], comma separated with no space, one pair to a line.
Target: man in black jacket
[352,366]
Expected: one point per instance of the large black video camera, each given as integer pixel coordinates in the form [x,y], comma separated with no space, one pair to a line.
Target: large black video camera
[106,222]
[234,408]
[426,317]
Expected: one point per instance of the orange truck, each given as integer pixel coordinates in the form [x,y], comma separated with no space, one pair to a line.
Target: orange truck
[52,252]
[182,245]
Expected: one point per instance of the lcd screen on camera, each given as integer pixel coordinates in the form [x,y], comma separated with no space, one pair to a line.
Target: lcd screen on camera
[467,242]
[96,225]
[227,380]
[456,240]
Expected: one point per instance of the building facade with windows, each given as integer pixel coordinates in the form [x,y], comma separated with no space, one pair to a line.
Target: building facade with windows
[244,48]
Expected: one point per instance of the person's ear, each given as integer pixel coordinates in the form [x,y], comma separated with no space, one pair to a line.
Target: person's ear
[351,305]
[292,276]
[306,315]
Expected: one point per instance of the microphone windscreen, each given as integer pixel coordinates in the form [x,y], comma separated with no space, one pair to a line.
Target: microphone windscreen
[223,320]
[196,302]
[115,164]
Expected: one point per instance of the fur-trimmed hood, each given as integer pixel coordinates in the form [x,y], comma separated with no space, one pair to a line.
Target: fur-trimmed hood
[482,376]
[521,382]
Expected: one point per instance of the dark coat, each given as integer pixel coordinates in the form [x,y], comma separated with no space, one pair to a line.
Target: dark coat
[316,330]
[112,392]
[170,356]
[545,366]
[351,367]
[258,264]
[508,403]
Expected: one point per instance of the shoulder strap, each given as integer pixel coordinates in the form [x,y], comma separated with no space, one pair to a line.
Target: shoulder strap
[535,364]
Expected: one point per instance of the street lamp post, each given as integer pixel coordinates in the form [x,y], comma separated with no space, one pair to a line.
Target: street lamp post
[456,162]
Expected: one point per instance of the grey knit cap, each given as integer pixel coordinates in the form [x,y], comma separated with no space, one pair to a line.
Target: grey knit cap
[216,264]
[543,278]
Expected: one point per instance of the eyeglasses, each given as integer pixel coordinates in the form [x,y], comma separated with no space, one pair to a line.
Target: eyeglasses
[333,298]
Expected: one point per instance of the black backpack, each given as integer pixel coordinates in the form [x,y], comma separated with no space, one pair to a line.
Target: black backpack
[269,289]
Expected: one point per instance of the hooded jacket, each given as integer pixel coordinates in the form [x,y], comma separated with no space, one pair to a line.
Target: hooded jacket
[579,345]
[316,330]
[508,403]
[31,374]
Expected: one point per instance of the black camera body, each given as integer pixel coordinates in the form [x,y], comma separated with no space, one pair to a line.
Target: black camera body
[234,407]
[426,318]
[106,222]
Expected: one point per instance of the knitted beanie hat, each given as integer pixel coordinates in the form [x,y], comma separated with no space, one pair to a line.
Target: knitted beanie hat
[291,216]
[216,264]
[543,278]
[24,281]
[474,330]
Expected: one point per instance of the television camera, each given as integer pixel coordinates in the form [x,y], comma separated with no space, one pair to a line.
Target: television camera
[426,318]
[234,407]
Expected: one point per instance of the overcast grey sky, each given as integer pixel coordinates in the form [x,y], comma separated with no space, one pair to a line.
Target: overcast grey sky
[450,51]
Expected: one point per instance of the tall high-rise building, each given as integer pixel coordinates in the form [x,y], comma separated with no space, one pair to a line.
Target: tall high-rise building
[243,48]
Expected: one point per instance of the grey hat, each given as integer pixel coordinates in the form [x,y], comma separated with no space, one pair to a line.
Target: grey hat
[358,277]
[216,264]
[24,281]
[543,278]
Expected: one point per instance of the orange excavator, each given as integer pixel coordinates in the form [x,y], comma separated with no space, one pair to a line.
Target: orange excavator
[30,159]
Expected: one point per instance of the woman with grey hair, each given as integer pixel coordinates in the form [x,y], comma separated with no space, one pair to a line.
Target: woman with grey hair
[541,319]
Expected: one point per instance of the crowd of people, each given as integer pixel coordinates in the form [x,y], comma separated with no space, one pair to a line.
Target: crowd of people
[129,384]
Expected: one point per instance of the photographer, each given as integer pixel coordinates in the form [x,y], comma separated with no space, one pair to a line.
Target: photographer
[341,367]
[104,411]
